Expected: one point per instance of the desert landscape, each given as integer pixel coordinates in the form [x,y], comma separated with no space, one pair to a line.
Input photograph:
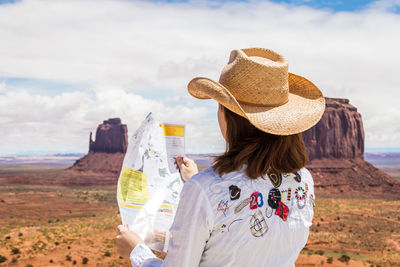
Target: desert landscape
[62,210]
[58,225]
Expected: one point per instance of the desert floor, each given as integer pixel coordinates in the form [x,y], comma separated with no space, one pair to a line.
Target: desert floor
[50,225]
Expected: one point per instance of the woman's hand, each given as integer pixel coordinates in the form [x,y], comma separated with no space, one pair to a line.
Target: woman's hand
[126,241]
[187,167]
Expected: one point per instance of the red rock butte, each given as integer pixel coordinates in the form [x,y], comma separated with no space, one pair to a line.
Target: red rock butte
[111,137]
[107,152]
[335,148]
[339,134]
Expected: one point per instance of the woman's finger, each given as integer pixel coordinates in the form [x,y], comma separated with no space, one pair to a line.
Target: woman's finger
[187,161]
[179,161]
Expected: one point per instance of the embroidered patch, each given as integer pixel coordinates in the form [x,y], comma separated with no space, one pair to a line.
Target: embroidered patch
[258,225]
[297,177]
[276,179]
[300,193]
[299,205]
[222,228]
[256,200]
[291,178]
[282,211]
[283,195]
[289,193]
[269,211]
[223,206]
[234,192]
[274,197]
[242,204]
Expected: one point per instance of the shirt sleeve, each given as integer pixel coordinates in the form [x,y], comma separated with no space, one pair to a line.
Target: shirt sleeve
[190,231]
[142,255]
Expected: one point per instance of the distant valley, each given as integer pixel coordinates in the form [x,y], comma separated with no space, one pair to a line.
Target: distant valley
[51,160]
[387,162]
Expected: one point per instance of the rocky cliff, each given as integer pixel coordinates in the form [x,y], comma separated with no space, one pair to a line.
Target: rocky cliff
[107,152]
[111,137]
[339,134]
[335,148]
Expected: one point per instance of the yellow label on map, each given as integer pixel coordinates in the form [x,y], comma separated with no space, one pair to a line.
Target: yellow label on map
[133,187]
[174,130]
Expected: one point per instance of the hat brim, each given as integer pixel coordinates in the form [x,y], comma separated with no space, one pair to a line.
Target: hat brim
[304,109]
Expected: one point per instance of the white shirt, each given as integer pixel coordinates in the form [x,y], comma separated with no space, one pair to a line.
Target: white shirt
[232,221]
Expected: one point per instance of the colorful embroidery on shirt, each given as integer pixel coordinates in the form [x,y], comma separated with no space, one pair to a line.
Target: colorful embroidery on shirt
[256,200]
[243,204]
[300,195]
[276,203]
[282,211]
[297,177]
[223,206]
[234,192]
[274,197]
[276,179]
[283,195]
[222,228]
[291,178]
[258,225]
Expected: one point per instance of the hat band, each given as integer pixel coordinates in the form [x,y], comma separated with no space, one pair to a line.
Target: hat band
[263,105]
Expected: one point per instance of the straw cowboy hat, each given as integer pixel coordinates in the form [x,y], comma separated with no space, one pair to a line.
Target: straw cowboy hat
[256,85]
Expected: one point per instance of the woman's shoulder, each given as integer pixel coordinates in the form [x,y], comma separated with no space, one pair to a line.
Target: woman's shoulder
[209,176]
[205,178]
[216,186]
[306,175]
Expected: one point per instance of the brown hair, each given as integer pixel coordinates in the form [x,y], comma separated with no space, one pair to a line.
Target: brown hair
[261,151]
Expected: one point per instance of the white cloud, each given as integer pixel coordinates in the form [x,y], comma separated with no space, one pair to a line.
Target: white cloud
[121,48]
[63,122]
[386,5]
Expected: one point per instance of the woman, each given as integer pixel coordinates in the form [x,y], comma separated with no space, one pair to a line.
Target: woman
[254,206]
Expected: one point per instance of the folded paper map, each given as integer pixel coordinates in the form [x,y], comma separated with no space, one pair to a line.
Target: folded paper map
[150,183]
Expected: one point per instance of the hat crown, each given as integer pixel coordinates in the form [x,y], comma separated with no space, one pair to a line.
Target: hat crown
[257,76]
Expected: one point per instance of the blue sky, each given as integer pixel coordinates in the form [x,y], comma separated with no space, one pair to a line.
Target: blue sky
[41,86]
[68,65]
[353,5]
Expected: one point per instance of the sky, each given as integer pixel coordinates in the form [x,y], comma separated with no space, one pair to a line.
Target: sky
[65,66]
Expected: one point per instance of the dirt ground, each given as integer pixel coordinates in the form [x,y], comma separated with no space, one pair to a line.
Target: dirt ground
[75,226]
